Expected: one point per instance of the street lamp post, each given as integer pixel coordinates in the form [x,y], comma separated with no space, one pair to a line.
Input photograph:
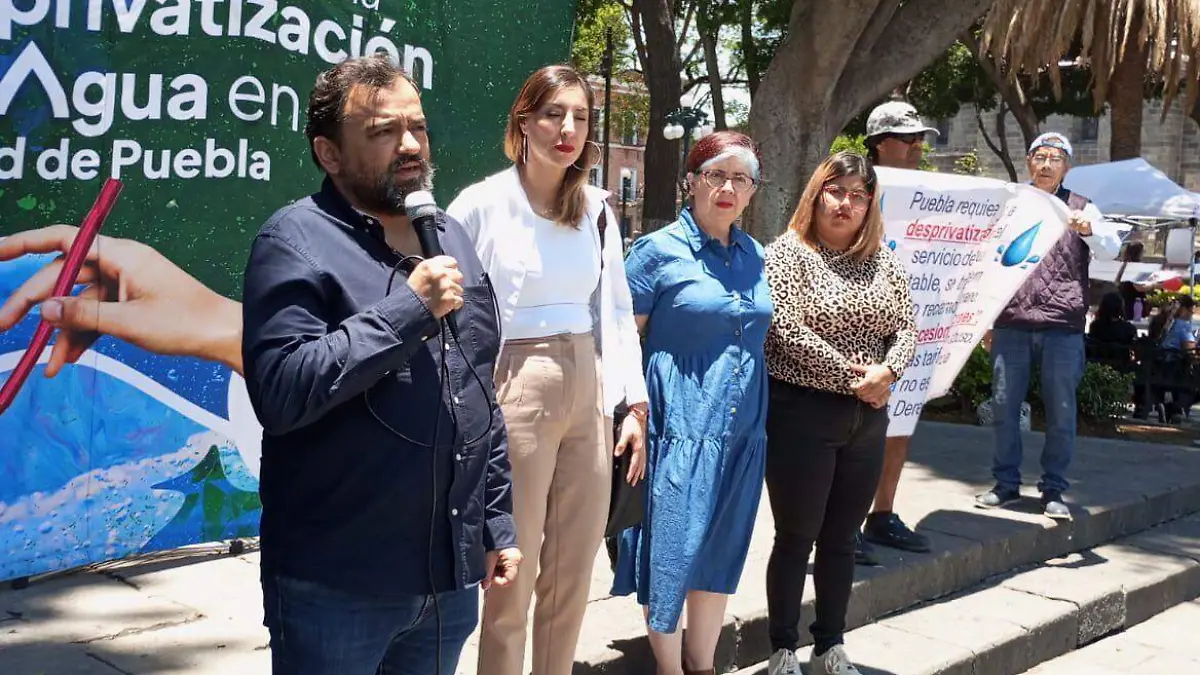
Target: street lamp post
[626,184]
[686,122]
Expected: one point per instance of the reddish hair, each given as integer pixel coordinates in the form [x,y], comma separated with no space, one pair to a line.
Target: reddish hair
[716,143]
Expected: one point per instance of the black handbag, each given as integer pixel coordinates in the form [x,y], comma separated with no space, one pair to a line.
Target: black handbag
[627,505]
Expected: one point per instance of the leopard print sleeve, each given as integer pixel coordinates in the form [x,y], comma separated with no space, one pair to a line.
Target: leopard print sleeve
[903,344]
[795,353]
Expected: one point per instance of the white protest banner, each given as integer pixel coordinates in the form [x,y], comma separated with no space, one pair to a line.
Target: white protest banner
[968,243]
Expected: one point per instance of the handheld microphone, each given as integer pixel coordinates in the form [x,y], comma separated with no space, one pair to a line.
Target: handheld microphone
[422,213]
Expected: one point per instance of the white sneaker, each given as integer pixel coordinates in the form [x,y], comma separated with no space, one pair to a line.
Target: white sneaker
[783,662]
[832,662]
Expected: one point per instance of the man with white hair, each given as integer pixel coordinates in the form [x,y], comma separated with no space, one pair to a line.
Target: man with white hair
[1044,323]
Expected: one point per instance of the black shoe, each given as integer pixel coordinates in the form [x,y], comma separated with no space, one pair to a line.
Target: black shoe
[1053,505]
[886,529]
[997,497]
[862,552]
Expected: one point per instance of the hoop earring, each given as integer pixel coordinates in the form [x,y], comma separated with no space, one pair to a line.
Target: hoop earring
[599,153]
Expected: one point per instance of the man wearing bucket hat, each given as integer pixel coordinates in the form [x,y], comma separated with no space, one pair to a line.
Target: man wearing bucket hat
[895,138]
[896,135]
[1045,320]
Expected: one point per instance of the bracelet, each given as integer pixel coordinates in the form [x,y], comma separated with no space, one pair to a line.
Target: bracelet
[638,413]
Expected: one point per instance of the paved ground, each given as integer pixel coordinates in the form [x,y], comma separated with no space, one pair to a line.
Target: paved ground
[1013,622]
[1168,644]
[198,611]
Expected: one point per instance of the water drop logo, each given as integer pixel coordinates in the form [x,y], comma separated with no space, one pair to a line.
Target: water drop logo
[891,244]
[1018,250]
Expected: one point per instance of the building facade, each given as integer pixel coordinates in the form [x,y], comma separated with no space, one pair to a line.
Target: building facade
[626,156]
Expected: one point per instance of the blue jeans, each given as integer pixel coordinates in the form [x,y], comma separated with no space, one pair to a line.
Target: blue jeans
[317,630]
[1062,358]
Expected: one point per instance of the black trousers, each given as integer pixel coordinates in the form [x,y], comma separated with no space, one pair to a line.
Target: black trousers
[824,457]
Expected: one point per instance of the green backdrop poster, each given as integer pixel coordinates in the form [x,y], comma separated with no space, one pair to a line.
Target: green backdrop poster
[198,107]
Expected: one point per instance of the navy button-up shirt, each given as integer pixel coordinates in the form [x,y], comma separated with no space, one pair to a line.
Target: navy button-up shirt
[344,376]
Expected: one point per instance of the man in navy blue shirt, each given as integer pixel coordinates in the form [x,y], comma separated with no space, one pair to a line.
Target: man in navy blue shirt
[385,476]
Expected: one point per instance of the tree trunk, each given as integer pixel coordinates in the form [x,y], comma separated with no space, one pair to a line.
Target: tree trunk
[1023,113]
[750,54]
[1001,150]
[1011,91]
[662,70]
[1126,93]
[708,30]
[837,58]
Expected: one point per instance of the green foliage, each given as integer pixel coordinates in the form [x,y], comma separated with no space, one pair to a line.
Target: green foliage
[974,382]
[1103,392]
[968,165]
[854,143]
[926,159]
[592,19]
[737,115]
[957,79]
[1076,95]
[629,112]
[1161,297]
[948,83]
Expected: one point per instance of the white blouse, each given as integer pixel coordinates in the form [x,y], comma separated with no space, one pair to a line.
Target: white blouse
[497,216]
[561,272]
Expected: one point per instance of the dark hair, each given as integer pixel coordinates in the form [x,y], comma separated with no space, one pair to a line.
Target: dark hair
[872,145]
[570,206]
[1111,309]
[327,101]
[1133,251]
[845,163]
[1129,295]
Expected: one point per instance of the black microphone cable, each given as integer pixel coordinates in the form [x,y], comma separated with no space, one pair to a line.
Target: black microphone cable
[444,326]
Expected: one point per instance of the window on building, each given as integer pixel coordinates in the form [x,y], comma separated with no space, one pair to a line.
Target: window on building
[594,176]
[1089,128]
[597,124]
[629,134]
[629,184]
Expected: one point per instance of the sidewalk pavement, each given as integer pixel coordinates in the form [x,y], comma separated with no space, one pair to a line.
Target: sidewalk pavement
[198,610]
[1165,644]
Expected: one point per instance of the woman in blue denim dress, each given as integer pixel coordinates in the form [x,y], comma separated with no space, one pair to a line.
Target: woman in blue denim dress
[701,299]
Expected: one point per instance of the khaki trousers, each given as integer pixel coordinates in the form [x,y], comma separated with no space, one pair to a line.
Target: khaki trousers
[558,440]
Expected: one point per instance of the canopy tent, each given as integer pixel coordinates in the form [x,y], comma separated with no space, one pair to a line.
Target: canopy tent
[1133,188]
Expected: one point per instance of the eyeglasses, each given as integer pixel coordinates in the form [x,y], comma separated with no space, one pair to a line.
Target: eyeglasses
[717,179]
[1052,160]
[859,199]
[908,139]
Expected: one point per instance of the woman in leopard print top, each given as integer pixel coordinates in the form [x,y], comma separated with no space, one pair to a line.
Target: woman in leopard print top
[842,333]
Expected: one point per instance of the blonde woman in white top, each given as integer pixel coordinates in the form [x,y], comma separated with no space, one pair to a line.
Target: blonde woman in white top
[570,354]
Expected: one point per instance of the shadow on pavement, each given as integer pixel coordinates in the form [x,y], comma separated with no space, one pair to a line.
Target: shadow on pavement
[134,616]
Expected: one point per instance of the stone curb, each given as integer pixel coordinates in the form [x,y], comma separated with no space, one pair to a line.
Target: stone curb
[1015,623]
[965,555]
